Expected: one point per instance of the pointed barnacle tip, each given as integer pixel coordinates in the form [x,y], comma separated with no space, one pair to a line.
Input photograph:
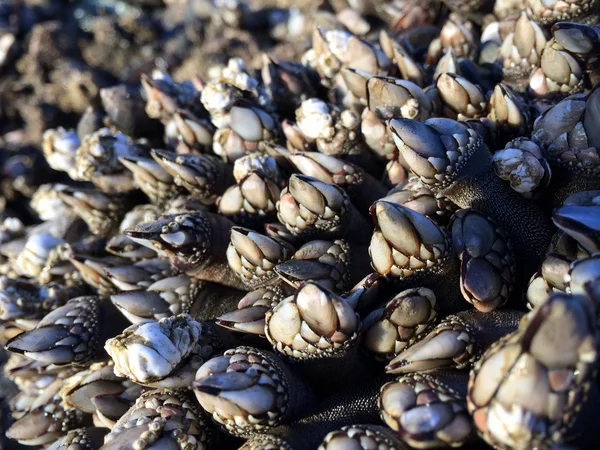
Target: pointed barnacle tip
[385,210]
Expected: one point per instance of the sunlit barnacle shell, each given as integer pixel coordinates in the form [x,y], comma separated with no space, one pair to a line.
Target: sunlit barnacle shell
[311,324]
[532,383]
[161,417]
[243,389]
[150,351]
[47,203]
[32,259]
[404,318]
[522,164]
[60,149]
[97,160]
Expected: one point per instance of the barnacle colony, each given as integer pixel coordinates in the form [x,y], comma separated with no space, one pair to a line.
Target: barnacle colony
[351,225]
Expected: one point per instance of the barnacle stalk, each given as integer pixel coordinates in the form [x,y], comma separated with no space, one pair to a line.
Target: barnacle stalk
[452,160]
[71,334]
[253,256]
[161,417]
[526,389]
[213,300]
[427,411]
[308,207]
[335,411]
[203,176]
[166,353]
[249,390]
[400,323]
[487,263]
[195,243]
[457,342]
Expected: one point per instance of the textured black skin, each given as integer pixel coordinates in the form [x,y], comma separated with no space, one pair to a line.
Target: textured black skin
[566,182]
[341,370]
[363,227]
[214,300]
[454,379]
[366,193]
[111,323]
[489,327]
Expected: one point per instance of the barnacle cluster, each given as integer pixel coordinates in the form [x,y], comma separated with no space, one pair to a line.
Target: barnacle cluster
[292,225]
